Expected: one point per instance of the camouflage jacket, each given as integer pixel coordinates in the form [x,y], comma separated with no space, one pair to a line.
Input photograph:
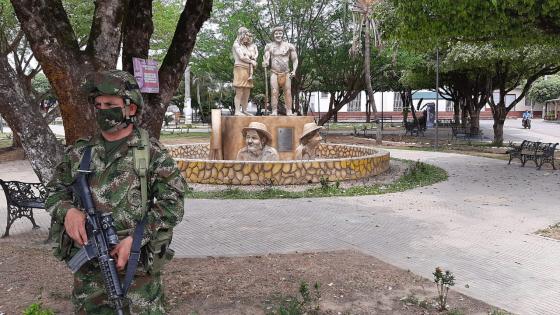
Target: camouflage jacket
[115,187]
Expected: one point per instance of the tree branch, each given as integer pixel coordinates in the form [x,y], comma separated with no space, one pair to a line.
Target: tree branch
[138,28]
[196,12]
[15,42]
[102,46]
[47,29]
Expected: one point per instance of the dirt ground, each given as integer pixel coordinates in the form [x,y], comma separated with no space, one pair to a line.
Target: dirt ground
[350,283]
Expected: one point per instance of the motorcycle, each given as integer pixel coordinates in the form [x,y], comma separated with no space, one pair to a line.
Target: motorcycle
[526,123]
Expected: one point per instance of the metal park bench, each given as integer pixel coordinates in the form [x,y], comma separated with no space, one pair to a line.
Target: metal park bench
[465,133]
[21,199]
[538,152]
[412,128]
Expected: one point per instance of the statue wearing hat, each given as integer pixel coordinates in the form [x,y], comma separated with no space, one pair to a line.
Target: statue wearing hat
[277,56]
[309,142]
[257,138]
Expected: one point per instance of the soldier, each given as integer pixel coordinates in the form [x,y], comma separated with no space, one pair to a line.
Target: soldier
[116,187]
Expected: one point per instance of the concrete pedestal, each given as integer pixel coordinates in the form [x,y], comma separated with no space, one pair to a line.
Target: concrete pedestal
[285,131]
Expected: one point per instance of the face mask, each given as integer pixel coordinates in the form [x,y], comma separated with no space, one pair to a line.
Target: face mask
[109,118]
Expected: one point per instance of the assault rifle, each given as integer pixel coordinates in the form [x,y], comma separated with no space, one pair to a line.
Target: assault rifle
[102,236]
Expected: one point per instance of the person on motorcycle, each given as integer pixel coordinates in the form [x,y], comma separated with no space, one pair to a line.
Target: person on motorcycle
[526,122]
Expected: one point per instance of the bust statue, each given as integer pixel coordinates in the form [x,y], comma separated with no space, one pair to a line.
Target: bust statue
[309,142]
[277,56]
[256,148]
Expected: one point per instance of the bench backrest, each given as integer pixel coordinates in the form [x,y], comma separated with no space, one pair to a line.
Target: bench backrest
[548,147]
[17,192]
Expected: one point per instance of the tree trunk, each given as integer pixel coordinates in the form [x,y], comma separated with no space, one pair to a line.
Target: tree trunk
[54,44]
[297,105]
[367,77]
[457,112]
[16,141]
[137,31]
[464,116]
[474,114]
[196,12]
[335,107]
[368,109]
[307,96]
[475,121]
[499,120]
[414,117]
[499,113]
[52,39]
[24,118]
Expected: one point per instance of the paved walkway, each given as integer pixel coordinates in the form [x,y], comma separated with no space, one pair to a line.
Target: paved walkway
[478,224]
[541,130]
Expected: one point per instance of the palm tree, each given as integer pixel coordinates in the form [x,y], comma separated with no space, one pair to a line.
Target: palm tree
[363,16]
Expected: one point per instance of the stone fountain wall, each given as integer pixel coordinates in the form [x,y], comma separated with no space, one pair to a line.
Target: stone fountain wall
[340,162]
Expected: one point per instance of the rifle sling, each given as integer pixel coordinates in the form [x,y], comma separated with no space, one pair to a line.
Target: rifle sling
[141,155]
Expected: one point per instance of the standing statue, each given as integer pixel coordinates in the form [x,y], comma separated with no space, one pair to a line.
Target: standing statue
[277,56]
[309,142]
[257,140]
[245,54]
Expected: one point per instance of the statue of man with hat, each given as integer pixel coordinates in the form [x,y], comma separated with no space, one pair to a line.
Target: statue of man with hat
[277,56]
[309,142]
[257,140]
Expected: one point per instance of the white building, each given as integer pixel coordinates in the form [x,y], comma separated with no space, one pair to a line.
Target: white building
[390,105]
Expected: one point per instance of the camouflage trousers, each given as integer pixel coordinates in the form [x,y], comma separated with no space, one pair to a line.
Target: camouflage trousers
[145,295]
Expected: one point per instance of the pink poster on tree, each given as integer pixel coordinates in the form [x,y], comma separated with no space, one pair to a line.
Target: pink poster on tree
[146,74]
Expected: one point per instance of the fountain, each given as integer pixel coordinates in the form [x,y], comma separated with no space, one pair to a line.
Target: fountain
[271,150]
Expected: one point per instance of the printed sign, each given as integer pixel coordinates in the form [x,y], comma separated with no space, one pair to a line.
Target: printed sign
[146,74]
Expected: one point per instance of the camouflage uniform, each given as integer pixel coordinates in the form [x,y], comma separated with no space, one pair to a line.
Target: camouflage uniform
[115,188]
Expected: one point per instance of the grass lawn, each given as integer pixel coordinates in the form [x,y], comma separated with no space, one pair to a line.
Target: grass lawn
[5,141]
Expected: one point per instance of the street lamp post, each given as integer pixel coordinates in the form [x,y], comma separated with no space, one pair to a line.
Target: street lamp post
[382,111]
[319,104]
[437,97]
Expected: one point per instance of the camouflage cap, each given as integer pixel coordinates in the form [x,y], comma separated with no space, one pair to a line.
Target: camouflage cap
[114,82]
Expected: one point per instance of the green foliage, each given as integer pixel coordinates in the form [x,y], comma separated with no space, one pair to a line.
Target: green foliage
[545,89]
[412,299]
[37,309]
[308,304]
[80,14]
[165,17]
[9,26]
[326,186]
[443,280]
[429,23]
[320,30]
